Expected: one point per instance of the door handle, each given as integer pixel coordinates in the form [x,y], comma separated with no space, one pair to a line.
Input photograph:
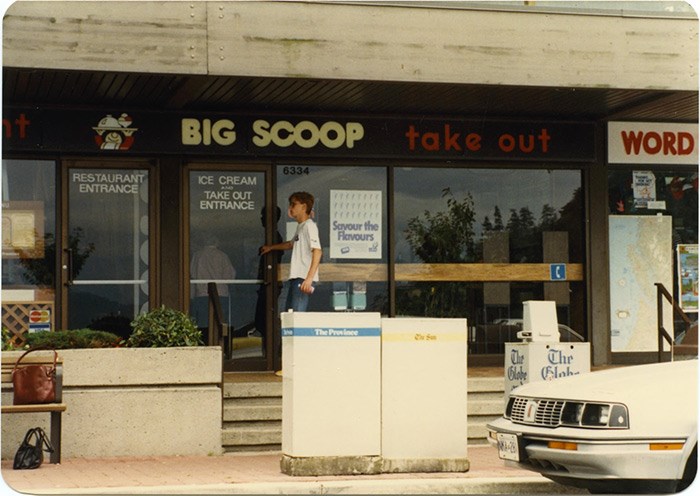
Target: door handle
[69,266]
[267,274]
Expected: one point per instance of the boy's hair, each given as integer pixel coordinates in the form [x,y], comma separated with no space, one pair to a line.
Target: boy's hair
[305,198]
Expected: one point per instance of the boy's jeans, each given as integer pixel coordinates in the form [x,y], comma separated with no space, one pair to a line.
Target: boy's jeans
[296,300]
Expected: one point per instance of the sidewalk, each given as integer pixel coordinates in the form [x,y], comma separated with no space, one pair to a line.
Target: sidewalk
[259,473]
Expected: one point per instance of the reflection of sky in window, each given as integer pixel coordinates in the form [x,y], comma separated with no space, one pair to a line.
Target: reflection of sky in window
[418,190]
[320,180]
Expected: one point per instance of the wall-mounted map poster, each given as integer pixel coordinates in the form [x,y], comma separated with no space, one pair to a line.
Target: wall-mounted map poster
[641,254]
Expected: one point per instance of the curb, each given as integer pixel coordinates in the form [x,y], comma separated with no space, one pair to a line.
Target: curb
[492,485]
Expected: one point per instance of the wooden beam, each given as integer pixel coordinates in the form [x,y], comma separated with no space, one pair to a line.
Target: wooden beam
[478,272]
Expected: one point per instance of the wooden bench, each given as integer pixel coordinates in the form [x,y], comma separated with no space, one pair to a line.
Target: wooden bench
[55,409]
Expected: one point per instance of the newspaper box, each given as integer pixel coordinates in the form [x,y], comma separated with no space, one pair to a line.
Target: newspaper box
[424,395]
[331,393]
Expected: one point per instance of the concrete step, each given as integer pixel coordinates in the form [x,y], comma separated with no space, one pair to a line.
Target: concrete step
[484,407]
[253,412]
[244,410]
[252,434]
[252,389]
[485,384]
[476,431]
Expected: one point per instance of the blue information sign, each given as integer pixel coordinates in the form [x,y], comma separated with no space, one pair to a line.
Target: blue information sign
[557,272]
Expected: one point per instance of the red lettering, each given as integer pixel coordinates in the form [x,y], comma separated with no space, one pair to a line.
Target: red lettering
[506,143]
[632,142]
[451,139]
[648,147]
[23,123]
[686,143]
[473,142]
[525,142]
[670,143]
[430,141]
[530,146]
[652,142]
[20,126]
[412,135]
[544,138]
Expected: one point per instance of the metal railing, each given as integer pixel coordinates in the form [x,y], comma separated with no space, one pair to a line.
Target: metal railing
[663,334]
[218,329]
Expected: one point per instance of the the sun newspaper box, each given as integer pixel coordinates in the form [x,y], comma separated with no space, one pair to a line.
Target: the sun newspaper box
[424,395]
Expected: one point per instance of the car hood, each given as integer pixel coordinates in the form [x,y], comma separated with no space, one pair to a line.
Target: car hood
[621,384]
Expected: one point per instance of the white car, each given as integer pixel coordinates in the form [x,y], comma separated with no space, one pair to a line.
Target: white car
[626,429]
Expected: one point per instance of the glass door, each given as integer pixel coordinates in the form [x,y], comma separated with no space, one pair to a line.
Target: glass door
[106,240]
[227,223]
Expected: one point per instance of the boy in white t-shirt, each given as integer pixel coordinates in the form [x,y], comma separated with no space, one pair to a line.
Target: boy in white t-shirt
[306,252]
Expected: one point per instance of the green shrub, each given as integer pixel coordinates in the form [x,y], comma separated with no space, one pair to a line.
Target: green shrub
[164,327]
[7,343]
[78,338]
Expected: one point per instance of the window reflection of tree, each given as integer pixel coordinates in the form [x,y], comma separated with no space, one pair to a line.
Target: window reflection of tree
[41,271]
[449,237]
[443,237]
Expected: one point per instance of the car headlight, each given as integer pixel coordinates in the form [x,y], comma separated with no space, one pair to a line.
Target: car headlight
[584,414]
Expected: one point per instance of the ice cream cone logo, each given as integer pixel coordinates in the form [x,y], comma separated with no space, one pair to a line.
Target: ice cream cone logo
[115,134]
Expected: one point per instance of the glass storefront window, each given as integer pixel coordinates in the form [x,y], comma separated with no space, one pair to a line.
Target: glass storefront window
[472,243]
[28,224]
[640,191]
[109,247]
[634,194]
[458,209]
[226,230]
[350,210]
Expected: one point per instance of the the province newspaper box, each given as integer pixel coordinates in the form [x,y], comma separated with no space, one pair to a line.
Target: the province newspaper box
[541,357]
[424,395]
[331,401]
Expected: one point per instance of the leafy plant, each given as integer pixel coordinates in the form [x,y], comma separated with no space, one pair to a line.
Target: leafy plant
[164,327]
[445,237]
[72,339]
[441,237]
[7,342]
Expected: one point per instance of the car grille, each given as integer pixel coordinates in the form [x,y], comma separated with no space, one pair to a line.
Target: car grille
[547,413]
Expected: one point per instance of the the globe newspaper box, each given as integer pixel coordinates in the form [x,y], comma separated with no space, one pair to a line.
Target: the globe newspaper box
[541,356]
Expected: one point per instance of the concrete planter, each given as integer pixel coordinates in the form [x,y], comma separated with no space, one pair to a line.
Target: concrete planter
[133,401]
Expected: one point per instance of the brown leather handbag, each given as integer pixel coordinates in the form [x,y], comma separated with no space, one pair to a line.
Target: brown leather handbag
[34,384]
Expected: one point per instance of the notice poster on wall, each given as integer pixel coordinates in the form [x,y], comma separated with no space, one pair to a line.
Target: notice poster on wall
[644,186]
[356,224]
[688,277]
[22,229]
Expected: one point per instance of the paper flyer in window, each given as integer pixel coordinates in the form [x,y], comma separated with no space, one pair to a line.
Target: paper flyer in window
[688,277]
[644,186]
[356,224]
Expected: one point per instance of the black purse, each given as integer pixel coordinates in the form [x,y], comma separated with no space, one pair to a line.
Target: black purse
[30,453]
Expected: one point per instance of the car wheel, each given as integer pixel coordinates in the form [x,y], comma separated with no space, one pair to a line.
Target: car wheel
[691,469]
